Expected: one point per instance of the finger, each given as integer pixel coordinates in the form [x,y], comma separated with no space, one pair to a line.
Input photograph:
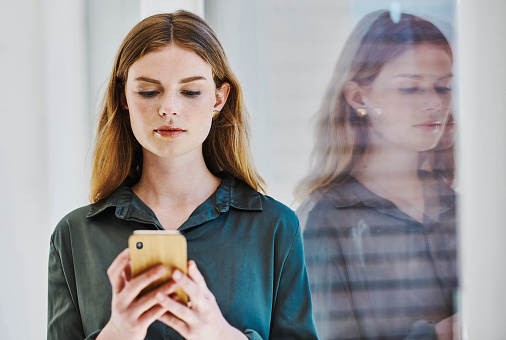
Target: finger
[142,281]
[151,315]
[167,288]
[149,300]
[172,321]
[128,272]
[195,274]
[173,290]
[116,270]
[126,275]
[177,309]
[189,286]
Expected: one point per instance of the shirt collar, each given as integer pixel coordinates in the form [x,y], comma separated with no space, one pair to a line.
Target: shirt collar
[350,193]
[353,193]
[231,192]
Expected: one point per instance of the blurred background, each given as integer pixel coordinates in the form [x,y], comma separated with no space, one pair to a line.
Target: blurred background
[55,59]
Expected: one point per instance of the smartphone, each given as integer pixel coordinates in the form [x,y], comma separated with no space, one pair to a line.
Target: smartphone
[151,247]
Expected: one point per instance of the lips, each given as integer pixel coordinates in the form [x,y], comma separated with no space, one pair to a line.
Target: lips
[169,131]
[433,125]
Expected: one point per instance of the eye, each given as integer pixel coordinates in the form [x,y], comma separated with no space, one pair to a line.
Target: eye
[409,90]
[148,94]
[190,94]
[442,89]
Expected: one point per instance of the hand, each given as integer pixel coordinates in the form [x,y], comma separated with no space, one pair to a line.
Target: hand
[202,318]
[131,312]
[448,329]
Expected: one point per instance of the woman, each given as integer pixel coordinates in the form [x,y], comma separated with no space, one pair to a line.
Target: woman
[172,153]
[378,212]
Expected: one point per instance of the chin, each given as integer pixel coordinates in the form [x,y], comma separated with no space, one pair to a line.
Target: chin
[426,143]
[427,146]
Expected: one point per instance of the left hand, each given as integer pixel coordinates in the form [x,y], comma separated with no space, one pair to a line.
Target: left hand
[202,318]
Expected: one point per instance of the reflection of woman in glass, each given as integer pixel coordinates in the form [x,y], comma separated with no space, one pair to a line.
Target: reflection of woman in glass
[172,153]
[378,211]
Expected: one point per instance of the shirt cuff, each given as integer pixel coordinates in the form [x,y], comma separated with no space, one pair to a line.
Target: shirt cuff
[422,330]
[93,335]
[252,335]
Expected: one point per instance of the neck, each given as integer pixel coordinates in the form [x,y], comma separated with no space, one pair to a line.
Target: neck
[169,181]
[396,170]
[393,174]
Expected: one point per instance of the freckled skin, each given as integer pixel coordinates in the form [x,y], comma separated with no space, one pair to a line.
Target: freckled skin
[188,105]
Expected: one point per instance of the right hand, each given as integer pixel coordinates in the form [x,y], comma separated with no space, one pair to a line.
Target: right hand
[131,312]
[448,329]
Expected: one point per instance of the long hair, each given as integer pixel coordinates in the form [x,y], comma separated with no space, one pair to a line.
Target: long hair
[341,135]
[118,155]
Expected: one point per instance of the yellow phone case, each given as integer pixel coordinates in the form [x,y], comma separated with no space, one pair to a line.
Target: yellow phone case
[149,248]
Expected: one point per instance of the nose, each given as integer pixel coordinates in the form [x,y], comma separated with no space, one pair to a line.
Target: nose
[433,100]
[168,105]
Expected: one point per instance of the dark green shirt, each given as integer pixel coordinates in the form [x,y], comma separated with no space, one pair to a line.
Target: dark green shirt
[247,246]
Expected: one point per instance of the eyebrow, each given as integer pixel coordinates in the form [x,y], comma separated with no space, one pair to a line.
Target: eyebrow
[182,81]
[148,80]
[415,76]
[190,79]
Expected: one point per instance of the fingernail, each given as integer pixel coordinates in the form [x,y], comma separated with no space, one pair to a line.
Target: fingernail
[161,270]
[160,297]
[177,275]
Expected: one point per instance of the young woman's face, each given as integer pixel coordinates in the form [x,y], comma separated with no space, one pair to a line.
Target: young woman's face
[409,102]
[171,96]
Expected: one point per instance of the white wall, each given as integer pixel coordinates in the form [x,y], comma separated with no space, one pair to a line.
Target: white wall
[67,106]
[24,205]
[482,166]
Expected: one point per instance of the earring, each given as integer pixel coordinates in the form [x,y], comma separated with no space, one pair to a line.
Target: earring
[215,114]
[362,111]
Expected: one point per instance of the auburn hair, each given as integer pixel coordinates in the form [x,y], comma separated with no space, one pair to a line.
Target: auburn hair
[341,134]
[117,154]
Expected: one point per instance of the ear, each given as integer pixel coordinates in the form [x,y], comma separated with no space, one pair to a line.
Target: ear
[353,93]
[221,96]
